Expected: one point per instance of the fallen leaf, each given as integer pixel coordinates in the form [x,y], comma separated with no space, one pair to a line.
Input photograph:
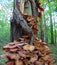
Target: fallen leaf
[29,47]
[18,62]
[12,62]
[33,59]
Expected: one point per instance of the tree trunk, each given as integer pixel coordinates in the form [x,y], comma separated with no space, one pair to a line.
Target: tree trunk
[19,25]
[54,30]
[45,28]
[41,30]
[51,24]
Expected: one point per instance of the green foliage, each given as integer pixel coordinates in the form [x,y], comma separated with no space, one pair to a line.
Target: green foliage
[5,13]
[49,20]
[4,38]
[11,4]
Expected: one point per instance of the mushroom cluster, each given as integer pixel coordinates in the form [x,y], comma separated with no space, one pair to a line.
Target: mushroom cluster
[22,53]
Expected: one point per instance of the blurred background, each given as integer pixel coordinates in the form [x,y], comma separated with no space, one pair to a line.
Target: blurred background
[47,25]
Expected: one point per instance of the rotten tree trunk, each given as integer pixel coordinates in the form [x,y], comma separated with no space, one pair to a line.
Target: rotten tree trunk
[18,24]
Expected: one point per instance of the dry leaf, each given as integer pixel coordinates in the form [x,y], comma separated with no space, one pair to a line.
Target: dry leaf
[14,50]
[12,62]
[41,8]
[44,43]
[11,44]
[25,15]
[18,62]
[46,64]
[39,63]
[35,30]
[11,56]
[33,59]
[29,47]
[22,54]
[26,47]
[26,62]
[47,59]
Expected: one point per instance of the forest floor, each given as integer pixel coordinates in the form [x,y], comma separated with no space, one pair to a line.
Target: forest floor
[53,49]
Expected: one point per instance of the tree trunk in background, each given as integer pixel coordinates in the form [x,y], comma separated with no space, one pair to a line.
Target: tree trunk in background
[45,29]
[38,33]
[52,39]
[54,30]
[51,24]
[41,30]
[55,37]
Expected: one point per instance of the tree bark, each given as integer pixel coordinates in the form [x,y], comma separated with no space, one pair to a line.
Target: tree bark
[19,25]
[34,8]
